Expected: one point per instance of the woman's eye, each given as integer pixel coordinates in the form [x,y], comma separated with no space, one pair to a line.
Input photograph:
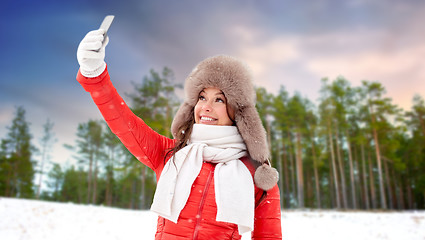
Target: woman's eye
[220,100]
[201,98]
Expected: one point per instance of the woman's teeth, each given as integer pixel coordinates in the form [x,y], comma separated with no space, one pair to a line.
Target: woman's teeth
[207,119]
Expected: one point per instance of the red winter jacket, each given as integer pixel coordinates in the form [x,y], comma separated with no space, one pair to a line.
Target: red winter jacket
[197,219]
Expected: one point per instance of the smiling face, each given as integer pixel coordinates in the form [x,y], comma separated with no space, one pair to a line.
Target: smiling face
[211,108]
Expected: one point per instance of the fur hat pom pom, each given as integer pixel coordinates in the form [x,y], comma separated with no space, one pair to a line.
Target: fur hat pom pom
[266,177]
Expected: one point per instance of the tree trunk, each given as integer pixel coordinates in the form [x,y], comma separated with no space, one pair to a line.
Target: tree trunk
[89,178]
[111,186]
[94,193]
[110,175]
[168,117]
[80,190]
[133,193]
[9,182]
[43,157]
[409,194]
[335,176]
[378,160]
[292,166]
[398,189]
[365,189]
[280,182]
[422,123]
[286,175]
[316,173]
[300,176]
[331,185]
[108,190]
[389,185]
[341,170]
[350,162]
[309,199]
[14,191]
[372,183]
[357,181]
[269,138]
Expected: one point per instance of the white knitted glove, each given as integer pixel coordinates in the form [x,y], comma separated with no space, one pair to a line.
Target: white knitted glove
[91,53]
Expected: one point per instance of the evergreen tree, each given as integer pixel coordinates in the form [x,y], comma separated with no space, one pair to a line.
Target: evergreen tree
[312,133]
[282,128]
[327,113]
[154,100]
[16,164]
[297,113]
[342,96]
[379,110]
[413,154]
[46,146]
[74,187]
[55,183]
[89,146]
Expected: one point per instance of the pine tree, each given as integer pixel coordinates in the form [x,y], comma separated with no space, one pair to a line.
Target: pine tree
[74,187]
[17,166]
[327,113]
[89,146]
[342,96]
[379,110]
[312,125]
[56,179]
[46,146]
[281,122]
[414,154]
[297,113]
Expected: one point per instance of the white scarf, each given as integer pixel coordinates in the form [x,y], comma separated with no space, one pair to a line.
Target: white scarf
[234,186]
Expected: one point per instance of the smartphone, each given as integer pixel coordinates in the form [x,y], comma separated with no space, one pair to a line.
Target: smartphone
[107,21]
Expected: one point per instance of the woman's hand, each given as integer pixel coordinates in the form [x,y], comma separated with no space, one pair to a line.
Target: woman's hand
[91,53]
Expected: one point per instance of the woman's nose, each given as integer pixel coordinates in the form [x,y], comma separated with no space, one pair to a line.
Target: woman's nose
[207,107]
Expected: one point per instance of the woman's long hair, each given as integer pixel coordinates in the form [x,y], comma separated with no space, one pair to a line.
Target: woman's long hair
[182,136]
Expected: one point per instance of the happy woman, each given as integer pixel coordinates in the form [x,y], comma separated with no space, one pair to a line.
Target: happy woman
[214,179]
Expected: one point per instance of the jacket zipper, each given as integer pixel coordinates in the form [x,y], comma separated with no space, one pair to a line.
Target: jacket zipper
[201,206]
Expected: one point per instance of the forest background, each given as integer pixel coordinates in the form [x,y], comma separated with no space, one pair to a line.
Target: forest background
[354,140]
[355,149]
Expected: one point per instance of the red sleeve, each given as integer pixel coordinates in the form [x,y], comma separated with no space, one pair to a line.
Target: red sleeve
[267,224]
[146,145]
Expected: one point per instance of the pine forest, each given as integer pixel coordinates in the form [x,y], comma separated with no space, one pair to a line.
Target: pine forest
[353,148]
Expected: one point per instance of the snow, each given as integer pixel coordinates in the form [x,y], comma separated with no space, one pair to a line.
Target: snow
[33,220]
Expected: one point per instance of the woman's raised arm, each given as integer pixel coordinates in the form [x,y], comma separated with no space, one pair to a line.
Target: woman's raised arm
[145,144]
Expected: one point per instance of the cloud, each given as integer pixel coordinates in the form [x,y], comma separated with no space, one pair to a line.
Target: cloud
[392,56]
[264,54]
[6,116]
[399,67]
[375,64]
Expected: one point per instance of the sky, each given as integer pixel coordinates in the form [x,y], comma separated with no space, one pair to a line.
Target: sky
[286,43]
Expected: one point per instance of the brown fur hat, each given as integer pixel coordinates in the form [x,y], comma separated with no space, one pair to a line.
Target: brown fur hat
[234,79]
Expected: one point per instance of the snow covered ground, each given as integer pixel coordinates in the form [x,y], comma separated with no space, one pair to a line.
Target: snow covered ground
[37,220]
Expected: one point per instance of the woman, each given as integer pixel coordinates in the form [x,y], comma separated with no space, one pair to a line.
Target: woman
[214,177]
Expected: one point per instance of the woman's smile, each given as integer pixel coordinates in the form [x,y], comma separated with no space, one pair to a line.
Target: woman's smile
[206,120]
